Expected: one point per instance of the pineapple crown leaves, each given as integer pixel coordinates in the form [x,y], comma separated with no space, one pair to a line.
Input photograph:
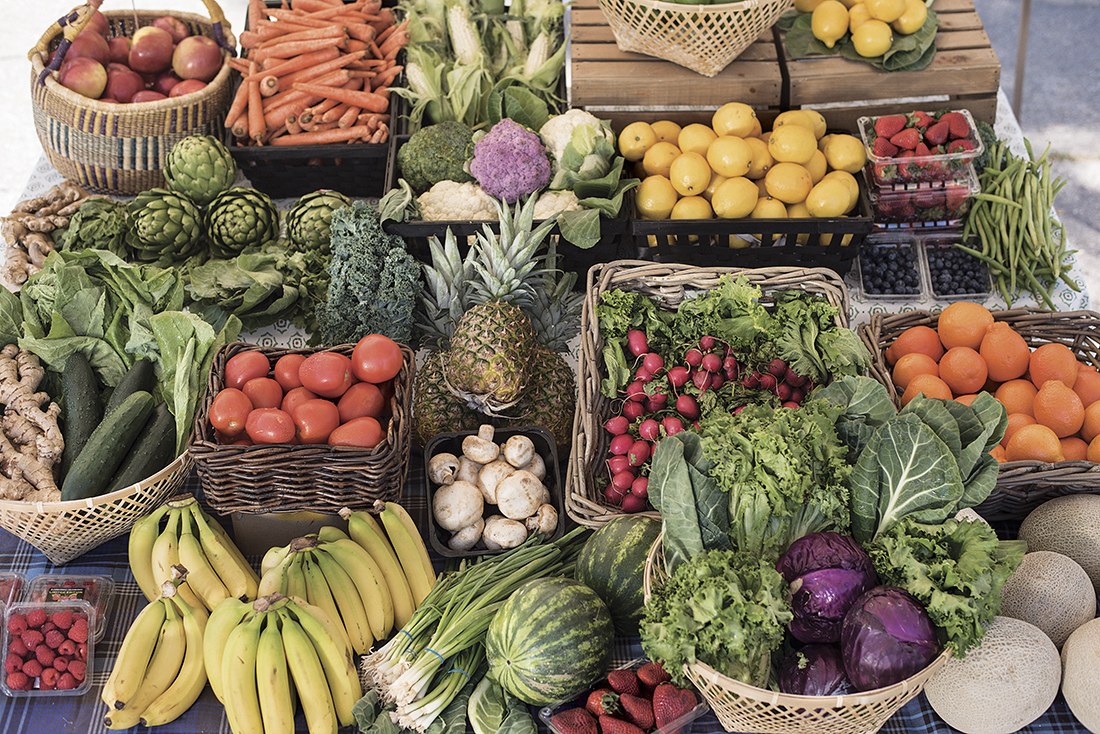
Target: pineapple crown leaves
[507,263]
[445,295]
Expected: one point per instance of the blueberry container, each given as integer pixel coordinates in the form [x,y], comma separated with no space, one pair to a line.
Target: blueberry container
[954,274]
[48,648]
[889,267]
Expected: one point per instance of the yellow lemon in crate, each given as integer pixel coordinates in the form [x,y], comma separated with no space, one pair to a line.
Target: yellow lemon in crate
[885,10]
[849,181]
[792,143]
[734,199]
[666,130]
[788,182]
[872,38]
[734,118]
[829,22]
[846,153]
[824,140]
[696,138]
[689,174]
[828,237]
[798,210]
[828,199]
[817,166]
[858,14]
[768,208]
[654,197]
[692,207]
[658,159]
[762,186]
[635,140]
[796,117]
[806,6]
[730,156]
[912,18]
[761,158]
[820,124]
[716,180]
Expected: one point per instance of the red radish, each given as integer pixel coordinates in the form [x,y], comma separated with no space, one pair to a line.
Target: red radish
[783,392]
[702,379]
[707,342]
[633,503]
[711,362]
[639,453]
[621,445]
[622,480]
[633,410]
[730,366]
[790,404]
[653,363]
[794,379]
[617,464]
[687,407]
[678,376]
[777,367]
[635,391]
[693,357]
[637,342]
[751,380]
[656,402]
[767,381]
[796,395]
[671,425]
[617,425]
[649,429]
[614,495]
[716,380]
[640,487]
[643,375]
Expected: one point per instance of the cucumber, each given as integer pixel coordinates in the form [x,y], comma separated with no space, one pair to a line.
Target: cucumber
[81,406]
[139,377]
[154,449]
[107,447]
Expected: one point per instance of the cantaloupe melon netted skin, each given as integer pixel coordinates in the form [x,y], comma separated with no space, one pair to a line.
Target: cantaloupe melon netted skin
[1052,592]
[1069,525]
[1002,685]
[1080,682]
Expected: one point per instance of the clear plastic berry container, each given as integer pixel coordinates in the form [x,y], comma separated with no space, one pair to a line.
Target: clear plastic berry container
[925,204]
[48,648]
[98,591]
[11,588]
[889,267]
[954,274]
[935,162]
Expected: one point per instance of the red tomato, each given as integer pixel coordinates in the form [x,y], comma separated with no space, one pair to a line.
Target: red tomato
[243,366]
[316,419]
[362,398]
[270,425]
[264,392]
[326,373]
[296,397]
[364,432]
[286,371]
[229,410]
[376,358]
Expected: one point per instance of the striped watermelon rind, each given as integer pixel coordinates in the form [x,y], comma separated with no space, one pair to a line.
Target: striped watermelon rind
[549,640]
[612,563]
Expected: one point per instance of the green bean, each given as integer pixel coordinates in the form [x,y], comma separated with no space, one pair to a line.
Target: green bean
[998,200]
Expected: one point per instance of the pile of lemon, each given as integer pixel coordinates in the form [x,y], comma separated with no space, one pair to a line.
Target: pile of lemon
[872,23]
[733,169]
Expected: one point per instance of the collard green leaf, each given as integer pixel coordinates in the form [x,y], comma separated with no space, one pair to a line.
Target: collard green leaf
[937,416]
[867,406]
[671,493]
[980,482]
[518,103]
[486,707]
[580,228]
[11,317]
[908,52]
[518,718]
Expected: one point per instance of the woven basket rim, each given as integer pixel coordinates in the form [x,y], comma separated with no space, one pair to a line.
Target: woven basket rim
[671,7]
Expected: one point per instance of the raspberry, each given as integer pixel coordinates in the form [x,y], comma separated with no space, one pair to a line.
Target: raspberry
[77,669]
[67,648]
[79,631]
[17,623]
[63,619]
[61,663]
[48,681]
[36,618]
[54,638]
[18,648]
[66,682]
[32,638]
[82,651]
[69,583]
[80,615]
[44,655]
[13,663]
[19,681]
[33,668]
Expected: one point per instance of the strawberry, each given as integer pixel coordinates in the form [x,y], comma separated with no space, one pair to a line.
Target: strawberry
[602,701]
[889,125]
[638,710]
[611,725]
[907,139]
[651,675]
[570,721]
[960,146]
[954,198]
[883,148]
[928,199]
[671,703]
[957,125]
[922,150]
[886,172]
[906,170]
[937,134]
[624,681]
[921,119]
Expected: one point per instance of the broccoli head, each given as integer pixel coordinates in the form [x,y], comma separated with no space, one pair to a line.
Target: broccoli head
[436,153]
[510,161]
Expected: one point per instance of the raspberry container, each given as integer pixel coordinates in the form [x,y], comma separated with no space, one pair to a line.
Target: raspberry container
[11,588]
[890,267]
[48,651]
[926,204]
[97,591]
[942,162]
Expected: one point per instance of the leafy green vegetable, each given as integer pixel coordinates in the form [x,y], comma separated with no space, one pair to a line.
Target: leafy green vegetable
[372,715]
[518,103]
[810,342]
[486,707]
[867,406]
[98,224]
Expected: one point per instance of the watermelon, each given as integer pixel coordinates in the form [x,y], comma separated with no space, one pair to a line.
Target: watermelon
[612,562]
[549,640]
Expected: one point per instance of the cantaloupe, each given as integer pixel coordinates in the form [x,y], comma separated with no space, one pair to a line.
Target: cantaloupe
[1002,685]
[1069,525]
[1052,592]
[1080,682]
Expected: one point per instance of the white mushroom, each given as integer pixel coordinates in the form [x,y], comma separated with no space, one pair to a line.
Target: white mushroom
[467,469]
[536,466]
[545,520]
[503,532]
[466,538]
[519,495]
[518,450]
[457,505]
[442,468]
[480,447]
[489,522]
[491,476]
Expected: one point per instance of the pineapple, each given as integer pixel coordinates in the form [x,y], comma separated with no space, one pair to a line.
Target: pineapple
[436,410]
[488,361]
[550,400]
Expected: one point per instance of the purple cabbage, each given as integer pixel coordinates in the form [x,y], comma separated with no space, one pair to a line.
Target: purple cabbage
[823,550]
[885,638]
[815,670]
[821,598]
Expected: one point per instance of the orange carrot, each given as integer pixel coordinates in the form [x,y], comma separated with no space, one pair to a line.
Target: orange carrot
[278,114]
[369,118]
[386,18]
[269,85]
[372,6]
[367,100]
[256,13]
[239,128]
[316,125]
[238,64]
[308,6]
[394,44]
[280,67]
[336,135]
[386,77]
[361,32]
[238,105]
[326,81]
[257,127]
[329,12]
[292,125]
[294,48]
[333,31]
[268,30]
[391,29]
[305,75]
[349,117]
[335,113]
[299,18]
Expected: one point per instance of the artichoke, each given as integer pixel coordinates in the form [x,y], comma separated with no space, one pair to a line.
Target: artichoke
[240,218]
[164,227]
[201,167]
[308,222]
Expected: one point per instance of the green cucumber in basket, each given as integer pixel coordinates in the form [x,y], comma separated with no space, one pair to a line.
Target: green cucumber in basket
[107,447]
[139,377]
[81,406]
[154,449]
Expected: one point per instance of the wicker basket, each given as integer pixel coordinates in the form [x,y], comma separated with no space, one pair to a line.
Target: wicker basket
[121,148]
[1021,485]
[667,284]
[318,477]
[744,708]
[65,530]
[703,38]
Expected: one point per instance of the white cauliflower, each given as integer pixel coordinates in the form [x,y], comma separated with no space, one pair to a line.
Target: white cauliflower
[453,201]
[551,202]
[558,130]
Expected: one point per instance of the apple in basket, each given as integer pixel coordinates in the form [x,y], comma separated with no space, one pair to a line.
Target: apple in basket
[122,83]
[186,87]
[165,81]
[148,95]
[83,75]
[90,44]
[174,26]
[197,57]
[119,48]
[151,50]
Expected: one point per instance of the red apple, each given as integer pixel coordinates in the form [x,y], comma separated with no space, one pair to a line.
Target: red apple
[90,44]
[147,95]
[165,81]
[151,50]
[186,87]
[119,48]
[116,66]
[99,24]
[197,57]
[174,26]
[84,75]
[123,85]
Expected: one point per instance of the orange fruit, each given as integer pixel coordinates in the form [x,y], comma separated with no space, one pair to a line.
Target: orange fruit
[963,369]
[913,364]
[1058,408]
[930,385]
[963,324]
[1016,421]
[1005,352]
[1093,453]
[966,399]
[1052,361]
[998,453]
[1034,442]
[1090,429]
[1087,386]
[1074,448]
[915,339]
[1018,396]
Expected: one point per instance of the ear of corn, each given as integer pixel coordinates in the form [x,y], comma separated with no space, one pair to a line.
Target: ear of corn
[465,40]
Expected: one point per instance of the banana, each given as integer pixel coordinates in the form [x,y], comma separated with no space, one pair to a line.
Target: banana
[273,680]
[140,551]
[161,671]
[240,692]
[369,581]
[273,558]
[226,617]
[134,655]
[274,579]
[166,554]
[309,678]
[191,679]
[232,567]
[336,659]
[368,532]
[410,549]
[319,595]
[331,532]
[353,615]
[201,576]
[295,579]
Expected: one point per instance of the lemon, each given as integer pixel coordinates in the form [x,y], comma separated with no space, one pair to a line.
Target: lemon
[858,14]
[823,141]
[788,182]
[817,166]
[689,174]
[768,208]
[792,143]
[846,152]
[912,18]
[692,207]
[798,210]
[806,6]
[716,180]
[734,118]
[762,185]
[659,158]
[829,22]
[761,158]
[738,242]
[820,124]
[730,156]
[757,128]
[848,180]
[796,117]
[696,138]
[826,238]
[885,10]
[734,199]
[654,197]
[872,38]
[635,140]
[666,130]
[828,199]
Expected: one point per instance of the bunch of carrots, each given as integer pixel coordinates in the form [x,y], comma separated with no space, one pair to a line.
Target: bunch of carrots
[315,72]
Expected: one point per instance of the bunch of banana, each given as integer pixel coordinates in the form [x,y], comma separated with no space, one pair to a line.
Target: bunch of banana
[160,670]
[267,657]
[216,568]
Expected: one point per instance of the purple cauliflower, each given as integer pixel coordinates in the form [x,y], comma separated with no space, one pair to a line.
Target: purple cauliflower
[510,161]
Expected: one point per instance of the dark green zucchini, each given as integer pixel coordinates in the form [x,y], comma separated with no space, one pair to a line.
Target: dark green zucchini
[139,377]
[81,406]
[107,447]
[154,449]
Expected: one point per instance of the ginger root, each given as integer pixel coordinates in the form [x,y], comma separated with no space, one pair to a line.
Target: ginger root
[31,442]
[27,231]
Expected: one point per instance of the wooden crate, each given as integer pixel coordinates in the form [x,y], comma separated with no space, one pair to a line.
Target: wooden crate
[965,73]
